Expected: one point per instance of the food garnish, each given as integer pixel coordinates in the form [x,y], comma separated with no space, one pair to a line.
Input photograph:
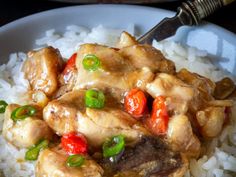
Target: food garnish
[74,143]
[159,116]
[75,160]
[3,105]
[113,146]
[33,152]
[94,99]
[136,103]
[23,112]
[91,62]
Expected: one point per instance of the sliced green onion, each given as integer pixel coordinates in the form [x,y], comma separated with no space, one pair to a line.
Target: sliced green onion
[23,112]
[94,99]
[3,105]
[33,152]
[113,146]
[91,62]
[75,160]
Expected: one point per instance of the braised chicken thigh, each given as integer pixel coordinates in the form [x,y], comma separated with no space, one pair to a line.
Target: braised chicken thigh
[52,163]
[42,68]
[115,74]
[69,114]
[27,132]
[148,56]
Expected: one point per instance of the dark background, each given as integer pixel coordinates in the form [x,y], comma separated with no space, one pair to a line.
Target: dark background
[11,10]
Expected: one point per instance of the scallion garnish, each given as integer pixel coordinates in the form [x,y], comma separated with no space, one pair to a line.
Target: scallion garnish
[23,112]
[3,105]
[94,99]
[75,160]
[113,146]
[91,62]
[33,152]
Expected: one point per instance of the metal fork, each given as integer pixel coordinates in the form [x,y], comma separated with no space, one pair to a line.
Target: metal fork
[189,13]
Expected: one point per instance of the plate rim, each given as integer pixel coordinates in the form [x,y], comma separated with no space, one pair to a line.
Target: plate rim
[48,12]
[27,18]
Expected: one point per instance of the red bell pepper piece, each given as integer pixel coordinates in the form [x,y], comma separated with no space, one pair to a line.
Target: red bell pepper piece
[158,122]
[70,64]
[74,143]
[136,103]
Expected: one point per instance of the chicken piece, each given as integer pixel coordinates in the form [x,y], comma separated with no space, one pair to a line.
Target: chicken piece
[224,88]
[220,103]
[42,68]
[181,136]
[204,89]
[211,121]
[61,114]
[107,123]
[111,60]
[52,163]
[203,84]
[68,113]
[146,55]
[38,97]
[177,93]
[140,78]
[115,74]
[24,133]
[126,40]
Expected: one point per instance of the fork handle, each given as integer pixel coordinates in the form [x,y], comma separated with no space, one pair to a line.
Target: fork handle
[226,2]
[200,9]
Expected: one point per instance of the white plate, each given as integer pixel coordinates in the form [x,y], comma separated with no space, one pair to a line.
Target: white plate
[20,35]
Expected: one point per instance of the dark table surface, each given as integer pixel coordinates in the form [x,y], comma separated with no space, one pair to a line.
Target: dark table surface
[11,10]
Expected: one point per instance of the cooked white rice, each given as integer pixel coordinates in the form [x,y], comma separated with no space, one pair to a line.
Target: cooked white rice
[220,159]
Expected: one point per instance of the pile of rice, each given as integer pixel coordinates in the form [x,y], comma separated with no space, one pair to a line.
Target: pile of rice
[220,159]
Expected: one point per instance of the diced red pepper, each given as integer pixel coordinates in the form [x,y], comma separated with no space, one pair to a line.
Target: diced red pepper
[70,64]
[74,143]
[136,103]
[158,122]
